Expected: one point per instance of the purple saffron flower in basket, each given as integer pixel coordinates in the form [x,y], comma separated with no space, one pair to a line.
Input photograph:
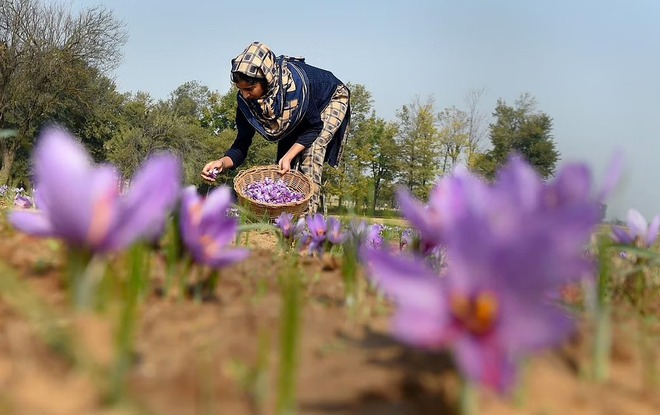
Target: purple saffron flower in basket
[509,246]
[272,191]
[638,231]
[207,230]
[80,203]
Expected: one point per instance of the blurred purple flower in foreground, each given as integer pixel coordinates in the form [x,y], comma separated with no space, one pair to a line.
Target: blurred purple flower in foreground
[207,230]
[638,231]
[80,203]
[509,245]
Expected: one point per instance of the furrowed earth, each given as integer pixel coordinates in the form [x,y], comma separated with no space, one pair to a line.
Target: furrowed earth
[220,355]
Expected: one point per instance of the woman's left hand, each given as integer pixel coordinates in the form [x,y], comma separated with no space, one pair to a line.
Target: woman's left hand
[285,161]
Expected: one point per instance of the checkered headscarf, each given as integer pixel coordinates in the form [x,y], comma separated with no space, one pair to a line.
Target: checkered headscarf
[277,109]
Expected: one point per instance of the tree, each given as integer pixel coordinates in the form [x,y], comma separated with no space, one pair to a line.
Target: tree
[382,155]
[95,114]
[522,130]
[454,135]
[191,100]
[49,58]
[418,143]
[476,122]
[348,181]
[220,115]
[154,127]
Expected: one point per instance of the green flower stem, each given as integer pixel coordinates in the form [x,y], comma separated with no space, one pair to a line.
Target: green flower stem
[602,343]
[468,399]
[349,275]
[289,339]
[603,330]
[125,335]
[78,260]
[173,253]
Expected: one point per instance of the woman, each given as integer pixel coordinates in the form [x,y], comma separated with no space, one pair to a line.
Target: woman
[303,108]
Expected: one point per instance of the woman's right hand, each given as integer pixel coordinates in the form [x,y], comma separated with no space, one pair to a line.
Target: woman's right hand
[213,168]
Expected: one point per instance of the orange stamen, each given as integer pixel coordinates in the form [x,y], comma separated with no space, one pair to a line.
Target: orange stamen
[478,315]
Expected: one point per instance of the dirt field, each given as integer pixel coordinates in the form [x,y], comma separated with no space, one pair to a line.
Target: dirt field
[221,356]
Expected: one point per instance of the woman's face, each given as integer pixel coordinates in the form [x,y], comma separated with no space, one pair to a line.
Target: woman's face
[250,91]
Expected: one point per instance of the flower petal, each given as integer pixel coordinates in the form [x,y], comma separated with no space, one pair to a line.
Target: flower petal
[637,223]
[527,325]
[216,205]
[622,235]
[481,360]
[32,222]
[151,197]
[409,282]
[652,233]
[226,257]
[421,329]
[62,171]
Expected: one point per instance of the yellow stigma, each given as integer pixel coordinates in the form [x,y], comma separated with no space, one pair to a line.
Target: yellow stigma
[478,314]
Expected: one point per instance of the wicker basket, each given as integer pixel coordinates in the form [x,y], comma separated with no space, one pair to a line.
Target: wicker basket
[295,180]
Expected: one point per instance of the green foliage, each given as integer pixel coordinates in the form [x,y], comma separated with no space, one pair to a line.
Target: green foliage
[52,63]
[419,148]
[152,128]
[379,153]
[454,137]
[349,181]
[522,130]
[220,115]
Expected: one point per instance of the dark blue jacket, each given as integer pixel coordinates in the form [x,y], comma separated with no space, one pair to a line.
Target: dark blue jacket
[322,85]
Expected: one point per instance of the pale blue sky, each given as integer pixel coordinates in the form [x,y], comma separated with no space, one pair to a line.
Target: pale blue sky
[593,66]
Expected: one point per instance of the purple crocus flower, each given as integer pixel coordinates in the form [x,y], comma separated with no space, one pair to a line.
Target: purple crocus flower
[638,231]
[287,226]
[207,230]
[22,201]
[509,246]
[80,202]
[362,234]
[306,243]
[374,237]
[335,235]
[407,239]
[318,227]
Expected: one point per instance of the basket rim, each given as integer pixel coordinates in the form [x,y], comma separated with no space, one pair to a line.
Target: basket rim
[276,168]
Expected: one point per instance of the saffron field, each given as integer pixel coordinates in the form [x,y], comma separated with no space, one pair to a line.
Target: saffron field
[508,297]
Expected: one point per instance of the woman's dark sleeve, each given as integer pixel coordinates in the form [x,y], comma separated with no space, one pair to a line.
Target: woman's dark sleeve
[311,127]
[245,132]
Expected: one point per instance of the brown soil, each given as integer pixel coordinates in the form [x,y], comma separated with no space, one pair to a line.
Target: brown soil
[203,357]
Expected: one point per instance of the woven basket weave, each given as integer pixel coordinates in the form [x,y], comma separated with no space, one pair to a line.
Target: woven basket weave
[295,180]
